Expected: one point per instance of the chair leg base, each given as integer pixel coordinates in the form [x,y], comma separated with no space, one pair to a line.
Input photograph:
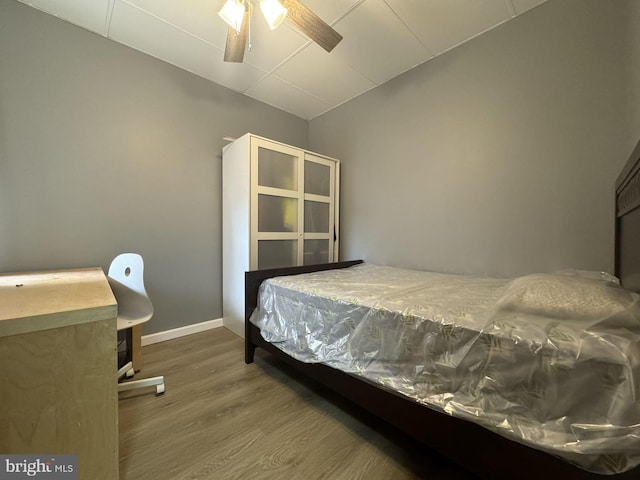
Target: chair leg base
[126,371]
[158,382]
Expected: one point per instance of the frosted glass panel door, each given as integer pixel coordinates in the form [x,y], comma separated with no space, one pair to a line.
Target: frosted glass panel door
[319,215]
[277,253]
[277,169]
[277,214]
[317,178]
[276,205]
[316,251]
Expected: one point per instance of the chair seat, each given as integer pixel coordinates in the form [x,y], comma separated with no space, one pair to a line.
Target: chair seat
[123,323]
[133,308]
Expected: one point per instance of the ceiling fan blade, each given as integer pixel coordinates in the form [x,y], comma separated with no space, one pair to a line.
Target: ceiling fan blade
[237,41]
[311,25]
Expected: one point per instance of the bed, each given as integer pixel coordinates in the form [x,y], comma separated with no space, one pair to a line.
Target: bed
[589,380]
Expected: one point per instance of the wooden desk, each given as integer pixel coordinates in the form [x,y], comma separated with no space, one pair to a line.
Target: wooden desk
[58,368]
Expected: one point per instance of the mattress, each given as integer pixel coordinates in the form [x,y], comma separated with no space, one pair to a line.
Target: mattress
[548,360]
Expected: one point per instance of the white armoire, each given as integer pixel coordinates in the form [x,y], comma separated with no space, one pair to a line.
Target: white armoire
[279,209]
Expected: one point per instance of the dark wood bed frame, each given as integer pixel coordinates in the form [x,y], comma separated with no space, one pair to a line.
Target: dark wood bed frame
[477,449]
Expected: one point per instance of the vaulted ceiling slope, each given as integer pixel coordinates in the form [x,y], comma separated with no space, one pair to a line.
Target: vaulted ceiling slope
[382,39]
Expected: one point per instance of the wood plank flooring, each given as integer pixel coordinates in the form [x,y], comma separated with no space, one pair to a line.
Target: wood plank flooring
[222,419]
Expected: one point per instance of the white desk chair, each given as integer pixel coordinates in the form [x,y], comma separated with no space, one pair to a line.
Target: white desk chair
[126,278]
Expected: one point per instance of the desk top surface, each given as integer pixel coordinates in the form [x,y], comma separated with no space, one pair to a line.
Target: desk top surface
[32,301]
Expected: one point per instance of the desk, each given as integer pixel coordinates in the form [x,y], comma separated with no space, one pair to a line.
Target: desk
[58,368]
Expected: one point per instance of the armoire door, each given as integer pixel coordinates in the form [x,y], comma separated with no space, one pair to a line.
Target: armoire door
[276,205]
[319,210]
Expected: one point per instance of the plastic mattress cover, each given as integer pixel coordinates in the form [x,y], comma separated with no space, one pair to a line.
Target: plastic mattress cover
[548,360]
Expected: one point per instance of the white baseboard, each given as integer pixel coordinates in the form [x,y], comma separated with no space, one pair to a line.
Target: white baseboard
[180,332]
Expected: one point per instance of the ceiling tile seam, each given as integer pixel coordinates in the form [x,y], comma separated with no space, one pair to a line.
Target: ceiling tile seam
[109,17]
[403,72]
[351,9]
[350,98]
[323,100]
[300,89]
[336,106]
[512,8]
[373,82]
[307,45]
[257,82]
[176,27]
[468,39]
[345,64]
[370,80]
[427,48]
[525,10]
[268,73]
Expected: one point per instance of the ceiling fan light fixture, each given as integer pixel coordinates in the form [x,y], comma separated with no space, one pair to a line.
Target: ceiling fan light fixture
[274,13]
[232,12]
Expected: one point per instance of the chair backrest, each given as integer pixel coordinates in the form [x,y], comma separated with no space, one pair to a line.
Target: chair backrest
[128,269]
[126,278]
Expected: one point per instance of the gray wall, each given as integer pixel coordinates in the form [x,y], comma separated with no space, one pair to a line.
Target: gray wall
[105,150]
[500,156]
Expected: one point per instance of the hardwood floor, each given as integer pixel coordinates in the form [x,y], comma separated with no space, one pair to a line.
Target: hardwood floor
[222,419]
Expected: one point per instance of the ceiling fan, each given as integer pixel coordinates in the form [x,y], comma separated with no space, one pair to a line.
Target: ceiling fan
[237,14]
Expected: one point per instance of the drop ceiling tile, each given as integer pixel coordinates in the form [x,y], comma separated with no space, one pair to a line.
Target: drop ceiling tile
[236,76]
[280,94]
[330,10]
[137,29]
[198,17]
[442,24]
[323,75]
[377,44]
[89,14]
[522,6]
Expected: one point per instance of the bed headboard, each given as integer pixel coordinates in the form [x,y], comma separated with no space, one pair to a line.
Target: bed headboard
[627,255]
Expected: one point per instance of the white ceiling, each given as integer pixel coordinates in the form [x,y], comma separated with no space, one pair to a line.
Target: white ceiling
[382,39]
